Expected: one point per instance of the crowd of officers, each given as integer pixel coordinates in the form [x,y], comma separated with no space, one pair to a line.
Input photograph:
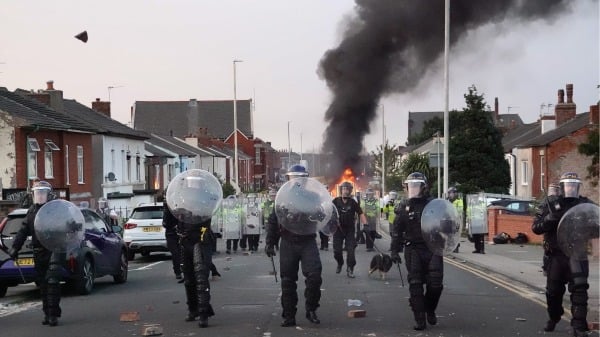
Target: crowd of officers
[193,244]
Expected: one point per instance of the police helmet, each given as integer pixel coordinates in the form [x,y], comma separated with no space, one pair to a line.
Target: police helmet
[296,171]
[369,194]
[569,185]
[416,185]
[347,185]
[41,192]
[393,195]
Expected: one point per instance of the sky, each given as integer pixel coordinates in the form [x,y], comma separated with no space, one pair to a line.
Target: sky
[177,50]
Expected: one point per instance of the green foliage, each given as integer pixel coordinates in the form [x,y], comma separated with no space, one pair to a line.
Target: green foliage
[416,162]
[391,165]
[591,148]
[228,190]
[476,160]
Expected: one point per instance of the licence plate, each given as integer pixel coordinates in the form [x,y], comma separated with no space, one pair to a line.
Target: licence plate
[152,229]
[25,261]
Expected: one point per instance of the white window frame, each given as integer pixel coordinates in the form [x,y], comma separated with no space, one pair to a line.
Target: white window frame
[48,162]
[128,157]
[257,154]
[138,171]
[524,172]
[542,173]
[32,149]
[67,178]
[80,164]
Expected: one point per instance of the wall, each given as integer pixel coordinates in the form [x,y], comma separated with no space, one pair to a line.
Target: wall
[7,154]
[499,222]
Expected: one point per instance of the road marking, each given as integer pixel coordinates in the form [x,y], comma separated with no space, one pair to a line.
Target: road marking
[11,309]
[514,287]
[149,266]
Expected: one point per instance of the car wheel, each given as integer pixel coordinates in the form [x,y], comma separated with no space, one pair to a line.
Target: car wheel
[84,283]
[121,277]
[130,255]
[3,290]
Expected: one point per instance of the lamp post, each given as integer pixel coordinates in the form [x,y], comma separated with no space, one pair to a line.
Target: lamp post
[383,152]
[446,89]
[235,139]
[289,147]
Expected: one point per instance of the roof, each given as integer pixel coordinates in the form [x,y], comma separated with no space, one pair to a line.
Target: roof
[416,119]
[185,146]
[26,117]
[183,118]
[54,120]
[161,143]
[101,122]
[156,151]
[505,121]
[567,128]
[520,134]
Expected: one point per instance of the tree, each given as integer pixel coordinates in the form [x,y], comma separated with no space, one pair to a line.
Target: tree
[416,162]
[476,159]
[391,165]
[591,148]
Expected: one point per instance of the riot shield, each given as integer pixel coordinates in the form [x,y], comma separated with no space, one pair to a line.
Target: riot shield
[194,196]
[216,225]
[252,215]
[477,214]
[304,206]
[577,227]
[58,225]
[232,220]
[440,226]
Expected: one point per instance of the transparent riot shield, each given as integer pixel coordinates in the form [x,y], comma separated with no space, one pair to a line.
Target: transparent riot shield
[576,229]
[304,206]
[477,214]
[59,226]
[216,224]
[370,208]
[194,196]
[232,220]
[440,226]
[252,215]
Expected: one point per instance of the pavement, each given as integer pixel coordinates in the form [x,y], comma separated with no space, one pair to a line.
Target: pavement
[522,264]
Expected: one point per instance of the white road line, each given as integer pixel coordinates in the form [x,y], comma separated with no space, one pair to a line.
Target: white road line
[147,266]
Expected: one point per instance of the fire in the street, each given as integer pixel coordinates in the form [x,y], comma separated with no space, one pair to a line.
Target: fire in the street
[347,175]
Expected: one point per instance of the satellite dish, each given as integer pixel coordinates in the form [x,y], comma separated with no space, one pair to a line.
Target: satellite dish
[111,176]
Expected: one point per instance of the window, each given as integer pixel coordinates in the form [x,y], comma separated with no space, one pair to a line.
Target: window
[123,163]
[128,166]
[137,168]
[542,173]
[80,164]
[258,156]
[67,180]
[524,173]
[112,160]
[32,148]
[51,145]
[48,162]
[33,144]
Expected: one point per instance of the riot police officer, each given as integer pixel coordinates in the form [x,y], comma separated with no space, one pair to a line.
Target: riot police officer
[459,205]
[196,240]
[294,250]
[560,269]
[170,222]
[348,209]
[424,267]
[370,206]
[48,264]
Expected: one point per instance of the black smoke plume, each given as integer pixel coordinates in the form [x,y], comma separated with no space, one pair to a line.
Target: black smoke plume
[387,47]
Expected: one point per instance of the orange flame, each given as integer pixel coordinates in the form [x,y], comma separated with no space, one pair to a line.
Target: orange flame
[348,176]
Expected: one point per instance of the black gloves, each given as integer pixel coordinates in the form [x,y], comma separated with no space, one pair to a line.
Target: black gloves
[13,253]
[396,257]
[270,250]
[553,216]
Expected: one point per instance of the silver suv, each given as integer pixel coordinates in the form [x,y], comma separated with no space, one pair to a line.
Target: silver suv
[143,232]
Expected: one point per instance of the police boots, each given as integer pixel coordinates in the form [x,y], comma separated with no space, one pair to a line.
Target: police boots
[203,321]
[420,320]
[312,317]
[350,272]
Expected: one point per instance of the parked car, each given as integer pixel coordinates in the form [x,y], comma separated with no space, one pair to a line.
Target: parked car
[102,252]
[143,232]
[513,206]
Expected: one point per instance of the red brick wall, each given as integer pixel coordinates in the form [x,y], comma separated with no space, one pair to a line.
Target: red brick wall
[511,224]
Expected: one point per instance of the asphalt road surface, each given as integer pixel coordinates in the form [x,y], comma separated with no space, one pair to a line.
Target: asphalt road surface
[246,300]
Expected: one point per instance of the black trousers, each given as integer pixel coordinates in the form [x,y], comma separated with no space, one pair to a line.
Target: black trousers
[253,241]
[371,236]
[562,270]
[197,260]
[48,268]
[173,245]
[228,243]
[424,268]
[324,240]
[293,254]
[478,241]
[339,238]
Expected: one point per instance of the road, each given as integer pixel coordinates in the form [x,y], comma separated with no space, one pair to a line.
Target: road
[246,302]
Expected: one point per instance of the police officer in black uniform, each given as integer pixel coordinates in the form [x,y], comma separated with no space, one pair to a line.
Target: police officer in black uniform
[170,224]
[196,240]
[424,267]
[295,250]
[348,209]
[48,264]
[560,269]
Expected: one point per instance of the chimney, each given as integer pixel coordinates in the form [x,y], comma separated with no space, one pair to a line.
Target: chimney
[102,107]
[594,114]
[495,109]
[50,85]
[51,97]
[565,111]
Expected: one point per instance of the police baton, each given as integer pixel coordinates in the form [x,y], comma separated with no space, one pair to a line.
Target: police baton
[400,270]
[16,263]
[274,270]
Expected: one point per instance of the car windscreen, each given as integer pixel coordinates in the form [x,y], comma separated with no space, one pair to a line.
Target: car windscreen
[9,232]
[147,213]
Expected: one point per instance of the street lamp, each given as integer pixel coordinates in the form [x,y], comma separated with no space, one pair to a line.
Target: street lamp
[289,147]
[235,140]
[383,152]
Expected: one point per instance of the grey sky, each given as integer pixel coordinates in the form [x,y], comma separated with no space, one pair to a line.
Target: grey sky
[177,50]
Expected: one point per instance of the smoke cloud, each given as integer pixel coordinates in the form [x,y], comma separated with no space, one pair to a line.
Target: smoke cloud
[387,47]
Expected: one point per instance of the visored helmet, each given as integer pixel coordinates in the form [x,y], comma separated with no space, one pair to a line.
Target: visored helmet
[296,171]
[416,185]
[41,191]
[393,195]
[553,189]
[369,194]
[347,186]
[569,185]
[452,193]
